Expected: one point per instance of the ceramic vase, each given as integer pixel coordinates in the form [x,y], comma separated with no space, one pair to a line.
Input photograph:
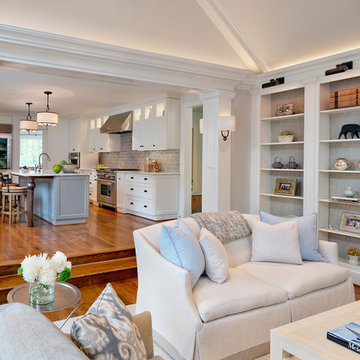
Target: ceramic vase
[353,260]
[349,192]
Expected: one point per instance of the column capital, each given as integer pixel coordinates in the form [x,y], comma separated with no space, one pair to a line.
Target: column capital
[212,95]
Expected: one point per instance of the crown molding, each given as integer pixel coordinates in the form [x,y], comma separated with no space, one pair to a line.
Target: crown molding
[54,51]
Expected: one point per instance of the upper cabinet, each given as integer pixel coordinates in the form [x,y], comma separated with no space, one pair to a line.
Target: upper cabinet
[101,142]
[75,135]
[156,125]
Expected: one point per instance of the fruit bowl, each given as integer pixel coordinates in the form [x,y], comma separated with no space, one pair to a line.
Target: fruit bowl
[68,168]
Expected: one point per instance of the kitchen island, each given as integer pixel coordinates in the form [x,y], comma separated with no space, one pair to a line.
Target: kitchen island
[60,199]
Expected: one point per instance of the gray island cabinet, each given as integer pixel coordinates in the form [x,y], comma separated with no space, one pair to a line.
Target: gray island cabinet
[59,199]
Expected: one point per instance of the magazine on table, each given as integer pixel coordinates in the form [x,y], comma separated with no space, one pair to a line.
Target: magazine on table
[347,335]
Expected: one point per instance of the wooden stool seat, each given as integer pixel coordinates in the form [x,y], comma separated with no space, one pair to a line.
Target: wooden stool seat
[11,202]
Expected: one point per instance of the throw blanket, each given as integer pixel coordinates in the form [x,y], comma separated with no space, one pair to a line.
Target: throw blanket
[226,226]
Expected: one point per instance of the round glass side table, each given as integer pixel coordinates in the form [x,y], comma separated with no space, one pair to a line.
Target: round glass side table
[66,295]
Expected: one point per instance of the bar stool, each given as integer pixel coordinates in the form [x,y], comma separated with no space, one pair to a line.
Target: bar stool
[11,202]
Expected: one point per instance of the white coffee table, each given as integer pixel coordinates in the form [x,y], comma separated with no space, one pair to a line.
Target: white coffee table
[306,339]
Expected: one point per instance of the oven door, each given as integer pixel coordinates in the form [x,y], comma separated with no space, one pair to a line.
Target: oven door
[106,192]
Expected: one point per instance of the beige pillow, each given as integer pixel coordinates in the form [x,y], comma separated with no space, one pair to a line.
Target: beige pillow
[216,258]
[107,330]
[275,243]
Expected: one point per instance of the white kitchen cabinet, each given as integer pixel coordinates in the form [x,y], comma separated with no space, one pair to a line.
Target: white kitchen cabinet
[92,184]
[156,125]
[120,192]
[74,135]
[152,196]
[102,142]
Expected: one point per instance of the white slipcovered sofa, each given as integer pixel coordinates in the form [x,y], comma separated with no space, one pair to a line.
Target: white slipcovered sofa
[233,319]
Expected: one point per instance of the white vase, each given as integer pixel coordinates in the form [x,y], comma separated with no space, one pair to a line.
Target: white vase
[353,260]
[349,192]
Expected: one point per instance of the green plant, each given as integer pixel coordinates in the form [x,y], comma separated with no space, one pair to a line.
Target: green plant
[353,251]
[285,133]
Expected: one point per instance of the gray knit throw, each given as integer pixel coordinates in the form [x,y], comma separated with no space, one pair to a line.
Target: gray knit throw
[226,226]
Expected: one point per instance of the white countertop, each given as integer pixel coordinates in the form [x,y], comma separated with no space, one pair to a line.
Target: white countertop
[148,173]
[43,173]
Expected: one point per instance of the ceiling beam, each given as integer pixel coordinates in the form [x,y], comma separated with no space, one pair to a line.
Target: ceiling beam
[233,34]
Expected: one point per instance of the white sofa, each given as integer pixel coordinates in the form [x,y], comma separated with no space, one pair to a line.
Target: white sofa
[233,319]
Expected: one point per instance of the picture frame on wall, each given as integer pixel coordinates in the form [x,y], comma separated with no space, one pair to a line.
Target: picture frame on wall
[285,187]
[350,222]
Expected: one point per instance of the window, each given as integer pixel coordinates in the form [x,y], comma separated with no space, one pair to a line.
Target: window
[31,146]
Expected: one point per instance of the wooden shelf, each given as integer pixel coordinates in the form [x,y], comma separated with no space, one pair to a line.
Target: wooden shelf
[283,143]
[284,117]
[282,196]
[341,171]
[339,140]
[340,111]
[341,232]
[284,170]
[339,202]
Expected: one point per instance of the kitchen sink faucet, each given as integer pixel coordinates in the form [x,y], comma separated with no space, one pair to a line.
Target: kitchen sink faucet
[48,159]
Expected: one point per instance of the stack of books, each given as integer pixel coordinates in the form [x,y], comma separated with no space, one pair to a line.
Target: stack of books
[347,335]
[344,198]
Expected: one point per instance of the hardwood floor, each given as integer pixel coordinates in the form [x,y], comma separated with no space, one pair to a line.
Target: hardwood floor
[105,230]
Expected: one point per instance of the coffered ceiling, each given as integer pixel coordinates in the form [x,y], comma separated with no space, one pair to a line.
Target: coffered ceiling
[259,35]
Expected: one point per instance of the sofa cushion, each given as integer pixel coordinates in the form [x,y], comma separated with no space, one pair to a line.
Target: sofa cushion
[307,228]
[107,330]
[27,334]
[297,280]
[239,293]
[276,243]
[216,259]
[182,249]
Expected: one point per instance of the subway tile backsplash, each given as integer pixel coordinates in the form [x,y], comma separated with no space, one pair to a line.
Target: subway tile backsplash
[128,159]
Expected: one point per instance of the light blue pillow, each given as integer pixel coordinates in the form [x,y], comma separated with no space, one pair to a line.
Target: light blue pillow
[307,227]
[182,249]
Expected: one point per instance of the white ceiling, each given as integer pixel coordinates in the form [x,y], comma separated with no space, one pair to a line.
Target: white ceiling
[277,32]
[259,35]
[72,96]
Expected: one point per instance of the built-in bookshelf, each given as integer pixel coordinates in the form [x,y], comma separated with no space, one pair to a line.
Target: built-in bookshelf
[332,181]
[270,148]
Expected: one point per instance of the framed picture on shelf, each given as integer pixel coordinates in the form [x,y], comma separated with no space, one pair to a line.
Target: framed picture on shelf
[285,187]
[350,222]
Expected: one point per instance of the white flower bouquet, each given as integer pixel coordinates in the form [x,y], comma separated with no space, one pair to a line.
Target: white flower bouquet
[41,273]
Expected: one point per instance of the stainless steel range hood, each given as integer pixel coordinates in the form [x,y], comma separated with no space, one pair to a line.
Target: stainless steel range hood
[117,124]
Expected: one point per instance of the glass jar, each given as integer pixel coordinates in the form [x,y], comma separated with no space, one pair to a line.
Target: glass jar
[40,294]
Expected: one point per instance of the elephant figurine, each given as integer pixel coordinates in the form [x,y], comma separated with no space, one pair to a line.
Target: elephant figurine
[354,129]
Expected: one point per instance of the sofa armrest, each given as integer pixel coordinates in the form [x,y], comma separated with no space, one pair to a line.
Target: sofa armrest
[165,291]
[143,322]
[329,250]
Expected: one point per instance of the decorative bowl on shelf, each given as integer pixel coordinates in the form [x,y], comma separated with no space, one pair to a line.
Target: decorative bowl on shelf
[341,164]
[69,168]
[284,109]
[285,138]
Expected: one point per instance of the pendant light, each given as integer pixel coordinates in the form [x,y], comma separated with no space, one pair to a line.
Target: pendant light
[28,124]
[47,118]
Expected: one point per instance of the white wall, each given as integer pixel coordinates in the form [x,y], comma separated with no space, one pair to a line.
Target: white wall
[240,153]
[56,143]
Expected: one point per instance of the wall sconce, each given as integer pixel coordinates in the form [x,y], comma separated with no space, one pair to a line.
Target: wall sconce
[226,124]
[201,126]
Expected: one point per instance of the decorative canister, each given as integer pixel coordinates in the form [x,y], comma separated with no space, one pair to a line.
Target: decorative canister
[353,260]
[349,192]
[292,164]
[341,164]
[277,164]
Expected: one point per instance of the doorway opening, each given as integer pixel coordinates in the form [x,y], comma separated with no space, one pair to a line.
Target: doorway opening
[196,170]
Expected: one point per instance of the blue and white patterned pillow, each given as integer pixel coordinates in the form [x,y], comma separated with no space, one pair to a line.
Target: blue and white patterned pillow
[107,330]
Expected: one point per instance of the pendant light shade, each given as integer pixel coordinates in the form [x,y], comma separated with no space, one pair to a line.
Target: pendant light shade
[47,118]
[28,124]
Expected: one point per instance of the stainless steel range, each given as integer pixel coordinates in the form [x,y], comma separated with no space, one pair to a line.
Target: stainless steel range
[106,186]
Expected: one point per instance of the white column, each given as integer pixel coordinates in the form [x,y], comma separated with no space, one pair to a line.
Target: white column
[216,153]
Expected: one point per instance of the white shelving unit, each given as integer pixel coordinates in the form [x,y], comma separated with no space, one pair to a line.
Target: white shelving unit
[332,181]
[270,127]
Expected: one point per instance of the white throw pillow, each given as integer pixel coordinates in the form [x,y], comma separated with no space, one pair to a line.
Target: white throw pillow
[275,243]
[216,259]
